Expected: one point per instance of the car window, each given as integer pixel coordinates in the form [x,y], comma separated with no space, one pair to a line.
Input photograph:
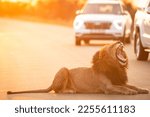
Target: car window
[102,9]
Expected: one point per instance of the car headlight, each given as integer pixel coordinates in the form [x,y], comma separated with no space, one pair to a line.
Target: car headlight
[119,25]
[78,23]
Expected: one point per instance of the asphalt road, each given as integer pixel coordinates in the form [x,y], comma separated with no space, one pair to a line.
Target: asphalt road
[31,54]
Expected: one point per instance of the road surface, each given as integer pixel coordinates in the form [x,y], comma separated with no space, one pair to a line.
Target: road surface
[32,53]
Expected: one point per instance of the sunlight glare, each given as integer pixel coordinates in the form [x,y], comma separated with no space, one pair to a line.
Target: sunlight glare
[32,2]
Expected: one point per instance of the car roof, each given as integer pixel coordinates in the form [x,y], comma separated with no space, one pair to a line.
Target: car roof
[103,1]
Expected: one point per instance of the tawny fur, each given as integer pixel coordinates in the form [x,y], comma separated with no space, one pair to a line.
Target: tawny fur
[106,75]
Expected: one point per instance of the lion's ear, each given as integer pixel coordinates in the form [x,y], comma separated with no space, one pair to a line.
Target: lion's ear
[101,54]
[95,57]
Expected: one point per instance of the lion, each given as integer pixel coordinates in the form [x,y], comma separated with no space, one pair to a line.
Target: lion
[107,75]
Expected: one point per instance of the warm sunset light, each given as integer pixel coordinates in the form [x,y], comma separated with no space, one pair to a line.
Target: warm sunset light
[74,50]
[45,9]
[50,9]
[19,0]
[32,2]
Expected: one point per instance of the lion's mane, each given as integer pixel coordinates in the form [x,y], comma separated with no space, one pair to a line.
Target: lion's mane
[110,67]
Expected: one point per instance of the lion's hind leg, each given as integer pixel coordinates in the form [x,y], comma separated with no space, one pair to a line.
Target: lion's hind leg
[62,82]
[138,89]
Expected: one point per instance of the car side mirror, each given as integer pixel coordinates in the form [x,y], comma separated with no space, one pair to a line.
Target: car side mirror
[148,10]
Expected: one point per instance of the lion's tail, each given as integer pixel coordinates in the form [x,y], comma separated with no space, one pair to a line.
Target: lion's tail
[31,91]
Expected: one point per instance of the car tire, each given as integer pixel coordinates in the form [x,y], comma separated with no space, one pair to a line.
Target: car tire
[87,41]
[139,49]
[128,40]
[78,41]
[122,39]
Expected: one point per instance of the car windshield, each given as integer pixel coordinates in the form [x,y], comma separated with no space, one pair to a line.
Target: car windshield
[102,9]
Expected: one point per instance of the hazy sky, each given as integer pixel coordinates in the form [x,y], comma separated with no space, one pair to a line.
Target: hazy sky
[136,2]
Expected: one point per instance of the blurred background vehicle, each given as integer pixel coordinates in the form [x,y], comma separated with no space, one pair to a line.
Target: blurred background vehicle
[102,20]
[142,32]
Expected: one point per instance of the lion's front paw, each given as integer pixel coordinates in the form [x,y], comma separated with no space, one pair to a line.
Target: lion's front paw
[130,92]
[143,91]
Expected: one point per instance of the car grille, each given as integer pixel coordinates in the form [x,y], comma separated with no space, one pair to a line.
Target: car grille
[97,25]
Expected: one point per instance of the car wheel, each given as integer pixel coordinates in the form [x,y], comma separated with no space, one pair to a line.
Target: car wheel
[122,39]
[139,50]
[127,40]
[87,41]
[78,41]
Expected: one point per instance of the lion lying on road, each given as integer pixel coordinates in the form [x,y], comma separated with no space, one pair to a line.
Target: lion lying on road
[107,75]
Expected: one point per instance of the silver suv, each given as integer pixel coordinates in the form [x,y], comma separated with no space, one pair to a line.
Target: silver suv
[102,20]
[142,32]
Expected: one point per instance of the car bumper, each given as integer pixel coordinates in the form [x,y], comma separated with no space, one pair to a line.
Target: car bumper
[99,36]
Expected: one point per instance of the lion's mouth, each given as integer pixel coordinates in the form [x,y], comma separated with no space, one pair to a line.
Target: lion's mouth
[121,55]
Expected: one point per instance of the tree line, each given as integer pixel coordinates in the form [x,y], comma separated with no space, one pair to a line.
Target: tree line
[62,9]
[52,9]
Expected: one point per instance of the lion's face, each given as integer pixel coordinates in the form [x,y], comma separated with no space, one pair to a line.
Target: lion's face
[112,61]
[117,52]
